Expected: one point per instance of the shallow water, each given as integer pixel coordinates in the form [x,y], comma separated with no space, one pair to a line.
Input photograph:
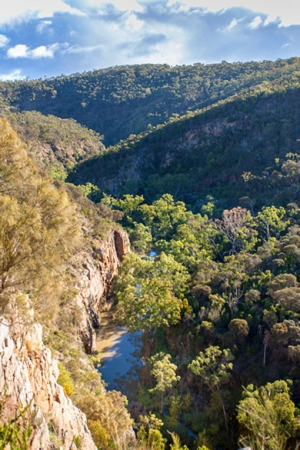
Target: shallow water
[119,353]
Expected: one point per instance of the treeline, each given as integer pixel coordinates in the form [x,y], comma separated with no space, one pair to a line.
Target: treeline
[147,95]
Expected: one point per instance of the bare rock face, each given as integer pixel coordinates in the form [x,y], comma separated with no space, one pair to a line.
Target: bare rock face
[93,276]
[28,376]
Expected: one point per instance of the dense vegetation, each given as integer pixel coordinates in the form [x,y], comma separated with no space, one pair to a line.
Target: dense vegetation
[247,135]
[56,145]
[219,309]
[210,200]
[126,100]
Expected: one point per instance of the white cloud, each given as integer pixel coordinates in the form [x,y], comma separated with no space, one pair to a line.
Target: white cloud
[255,23]
[43,51]
[14,75]
[288,11]
[43,25]
[133,23]
[82,49]
[122,5]
[22,51]
[18,10]
[232,24]
[18,51]
[3,40]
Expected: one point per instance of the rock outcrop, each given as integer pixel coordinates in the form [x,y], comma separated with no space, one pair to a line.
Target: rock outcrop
[93,275]
[28,376]
[28,373]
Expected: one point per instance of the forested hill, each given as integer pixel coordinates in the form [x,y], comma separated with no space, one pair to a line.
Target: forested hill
[127,100]
[55,144]
[235,149]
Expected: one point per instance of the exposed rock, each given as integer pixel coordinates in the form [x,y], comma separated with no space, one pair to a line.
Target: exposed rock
[93,277]
[28,376]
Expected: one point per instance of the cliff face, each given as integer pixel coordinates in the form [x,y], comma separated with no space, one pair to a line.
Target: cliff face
[28,373]
[93,275]
[28,376]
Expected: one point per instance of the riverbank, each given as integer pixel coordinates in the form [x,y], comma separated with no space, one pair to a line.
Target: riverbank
[119,352]
[108,336]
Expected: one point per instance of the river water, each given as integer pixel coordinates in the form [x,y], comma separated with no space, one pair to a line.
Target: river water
[119,351]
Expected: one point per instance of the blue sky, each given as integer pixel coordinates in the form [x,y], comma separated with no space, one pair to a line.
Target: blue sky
[52,37]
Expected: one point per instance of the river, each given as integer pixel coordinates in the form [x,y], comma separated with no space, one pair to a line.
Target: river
[119,351]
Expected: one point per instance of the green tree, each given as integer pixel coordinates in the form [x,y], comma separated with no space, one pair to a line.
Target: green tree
[164,216]
[128,205]
[268,416]
[213,366]
[192,242]
[164,373]
[140,237]
[240,329]
[149,292]
[238,227]
[176,445]
[149,435]
[38,227]
[271,221]
[15,432]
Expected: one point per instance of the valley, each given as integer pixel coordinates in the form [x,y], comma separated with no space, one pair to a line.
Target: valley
[162,203]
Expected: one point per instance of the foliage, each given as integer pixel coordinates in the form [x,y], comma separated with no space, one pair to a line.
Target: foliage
[100,436]
[39,229]
[146,95]
[106,411]
[149,292]
[149,436]
[164,373]
[214,366]
[206,286]
[269,416]
[176,443]
[240,134]
[65,379]
[15,432]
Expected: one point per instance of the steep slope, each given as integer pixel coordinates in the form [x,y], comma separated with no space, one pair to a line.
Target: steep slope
[28,377]
[56,145]
[145,95]
[209,152]
[58,256]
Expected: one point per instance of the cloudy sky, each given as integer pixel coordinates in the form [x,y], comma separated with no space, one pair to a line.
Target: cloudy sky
[51,37]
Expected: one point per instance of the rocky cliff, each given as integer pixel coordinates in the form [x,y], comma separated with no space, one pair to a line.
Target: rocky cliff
[28,372]
[28,376]
[93,274]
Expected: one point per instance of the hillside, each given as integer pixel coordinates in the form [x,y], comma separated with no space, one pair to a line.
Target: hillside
[58,256]
[56,145]
[126,100]
[247,136]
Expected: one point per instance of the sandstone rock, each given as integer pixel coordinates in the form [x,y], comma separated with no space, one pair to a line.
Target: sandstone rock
[28,376]
[93,277]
